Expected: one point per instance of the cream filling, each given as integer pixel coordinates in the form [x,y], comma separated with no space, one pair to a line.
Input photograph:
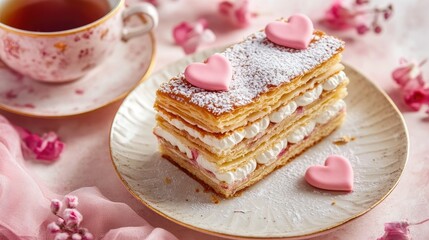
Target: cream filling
[265,158]
[229,177]
[283,112]
[309,96]
[271,155]
[334,81]
[173,141]
[300,133]
[226,143]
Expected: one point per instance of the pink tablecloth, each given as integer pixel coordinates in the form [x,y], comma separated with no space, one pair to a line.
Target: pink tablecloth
[86,161]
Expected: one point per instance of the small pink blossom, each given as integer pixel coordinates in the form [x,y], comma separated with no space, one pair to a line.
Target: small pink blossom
[409,72]
[76,236]
[47,148]
[416,98]
[340,17]
[396,231]
[72,217]
[191,35]
[237,12]
[86,234]
[68,223]
[71,201]
[410,79]
[62,236]
[362,29]
[60,221]
[55,205]
[53,228]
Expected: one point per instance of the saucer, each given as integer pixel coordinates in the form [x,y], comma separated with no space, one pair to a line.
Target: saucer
[129,64]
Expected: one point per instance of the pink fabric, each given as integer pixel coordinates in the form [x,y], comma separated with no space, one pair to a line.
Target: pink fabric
[25,203]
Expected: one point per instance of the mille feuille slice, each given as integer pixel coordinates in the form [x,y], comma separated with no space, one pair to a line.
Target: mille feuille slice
[278,102]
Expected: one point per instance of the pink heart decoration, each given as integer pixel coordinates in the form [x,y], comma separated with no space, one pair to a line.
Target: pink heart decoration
[336,175]
[296,33]
[215,74]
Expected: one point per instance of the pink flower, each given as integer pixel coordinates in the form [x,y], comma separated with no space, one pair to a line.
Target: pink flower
[88,236]
[60,221]
[55,205]
[62,236]
[76,236]
[396,231]
[71,201]
[410,79]
[409,72]
[53,228]
[191,35]
[237,12]
[337,17]
[68,223]
[47,148]
[72,217]
[416,98]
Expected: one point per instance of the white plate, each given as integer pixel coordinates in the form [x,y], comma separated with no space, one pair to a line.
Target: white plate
[282,205]
[108,82]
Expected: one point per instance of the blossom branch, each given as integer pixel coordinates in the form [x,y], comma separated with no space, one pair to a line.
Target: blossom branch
[67,225]
[339,17]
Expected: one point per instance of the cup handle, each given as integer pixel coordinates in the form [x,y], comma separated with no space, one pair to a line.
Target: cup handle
[151,20]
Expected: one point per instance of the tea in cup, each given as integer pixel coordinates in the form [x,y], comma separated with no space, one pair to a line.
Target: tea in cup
[62,40]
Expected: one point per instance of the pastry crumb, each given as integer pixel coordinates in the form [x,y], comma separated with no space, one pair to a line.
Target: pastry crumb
[206,189]
[167,180]
[239,211]
[333,203]
[344,140]
[215,200]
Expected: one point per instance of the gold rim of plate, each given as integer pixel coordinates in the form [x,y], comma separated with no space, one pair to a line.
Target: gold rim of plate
[145,76]
[313,234]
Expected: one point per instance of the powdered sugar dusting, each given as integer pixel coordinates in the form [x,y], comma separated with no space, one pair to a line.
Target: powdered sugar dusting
[258,65]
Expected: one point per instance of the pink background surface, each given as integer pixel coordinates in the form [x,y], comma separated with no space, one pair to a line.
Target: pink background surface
[86,160]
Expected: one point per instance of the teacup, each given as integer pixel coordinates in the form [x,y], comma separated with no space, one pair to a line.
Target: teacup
[68,55]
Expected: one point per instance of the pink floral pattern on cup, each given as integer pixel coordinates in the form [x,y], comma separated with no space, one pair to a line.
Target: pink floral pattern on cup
[69,55]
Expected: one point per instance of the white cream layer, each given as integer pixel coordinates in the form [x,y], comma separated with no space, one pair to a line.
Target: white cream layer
[265,158]
[229,177]
[300,133]
[334,81]
[222,144]
[225,143]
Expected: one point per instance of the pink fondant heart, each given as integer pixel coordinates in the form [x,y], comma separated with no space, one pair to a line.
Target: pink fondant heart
[296,33]
[215,74]
[337,175]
